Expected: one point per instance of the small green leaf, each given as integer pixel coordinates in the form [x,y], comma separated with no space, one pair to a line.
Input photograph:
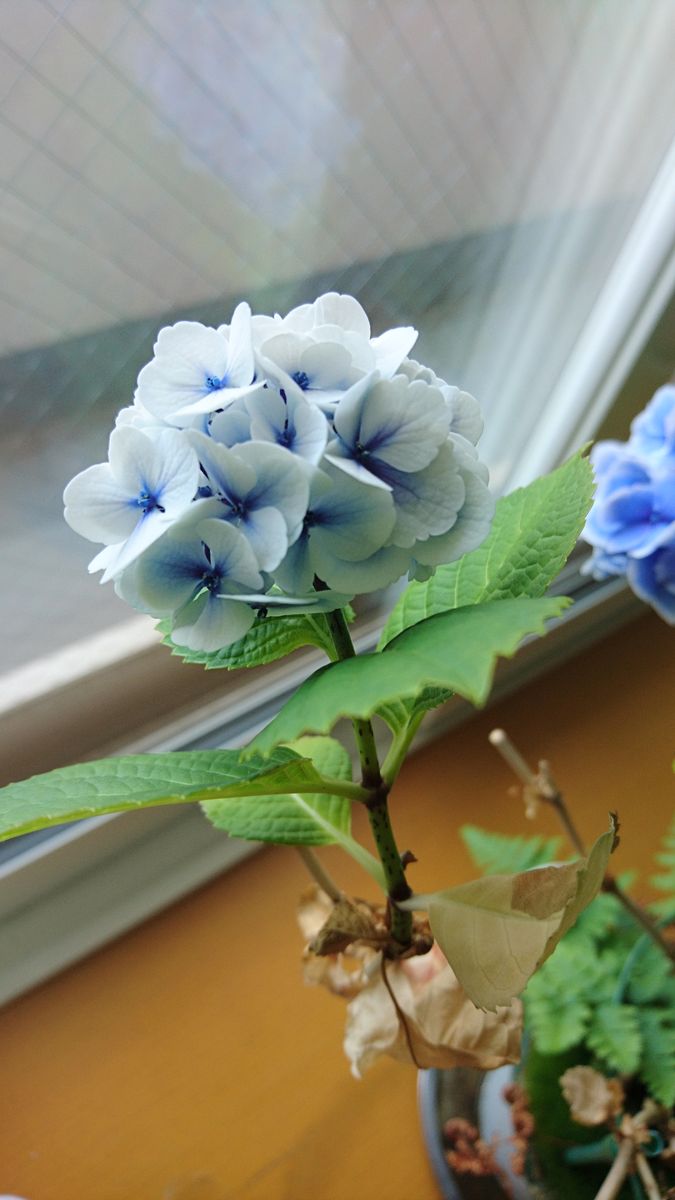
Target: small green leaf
[657,1064]
[496,931]
[614,1036]
[298,819]
[651,977]
[498,853]
[557,1014]
[292,818]
[146,780]
[456,650]
[269,639]
[534,531]
[665,881]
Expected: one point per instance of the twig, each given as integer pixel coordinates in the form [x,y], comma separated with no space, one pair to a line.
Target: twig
[319,873]
[544,788]
[617,1172]
[648,1181]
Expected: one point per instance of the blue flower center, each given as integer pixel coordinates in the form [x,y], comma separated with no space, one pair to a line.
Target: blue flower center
[214,383]
[212,581]
[149,503]
[302,379]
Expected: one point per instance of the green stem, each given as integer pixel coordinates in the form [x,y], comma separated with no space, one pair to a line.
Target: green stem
[399,748]
[376,804]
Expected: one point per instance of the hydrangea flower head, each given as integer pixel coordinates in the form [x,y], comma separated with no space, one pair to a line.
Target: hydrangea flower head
[280,465]
[631,525]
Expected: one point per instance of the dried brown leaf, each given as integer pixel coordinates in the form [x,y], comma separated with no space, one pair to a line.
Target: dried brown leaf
[443,1027]
[593,1098]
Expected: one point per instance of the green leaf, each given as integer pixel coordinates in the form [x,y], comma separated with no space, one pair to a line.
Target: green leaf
[665,881]
[455,650]
[614,1037]
[496,931]
[299,819]
[145,780]
[498,853]
[657,1064]
[534,530]
[269,639]
[558,1014]
[651,977]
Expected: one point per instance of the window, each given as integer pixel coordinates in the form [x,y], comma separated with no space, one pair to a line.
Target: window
[499,175]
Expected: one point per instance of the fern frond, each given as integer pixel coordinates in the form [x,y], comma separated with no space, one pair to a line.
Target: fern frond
[615,1037]
[499,853]
[657,1064]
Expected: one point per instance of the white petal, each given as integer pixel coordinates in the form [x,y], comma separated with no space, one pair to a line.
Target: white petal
[148,530]
[352,520]
[470,529]
[282,482]
[240,360]
[427,502]
[343,310]
[230,552]
[97,507]
[217,623]
[357,470]
[392,347]
[379,570]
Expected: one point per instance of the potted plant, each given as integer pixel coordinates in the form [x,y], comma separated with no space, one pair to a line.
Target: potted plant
[267,473]
[594,1110]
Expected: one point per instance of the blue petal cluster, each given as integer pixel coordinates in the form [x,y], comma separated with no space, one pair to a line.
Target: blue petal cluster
[278,465]
[632,522]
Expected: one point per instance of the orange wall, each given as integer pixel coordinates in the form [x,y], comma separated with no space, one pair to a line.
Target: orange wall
[188,1062]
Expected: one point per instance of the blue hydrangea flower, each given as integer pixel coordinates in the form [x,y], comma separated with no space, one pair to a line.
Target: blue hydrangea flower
[653,430]
[197,369]
[129,502]
[259,488]
[321,349]
[634,509]
[204,576]
[262,457]
[653,580]
[631,525]
[347,523]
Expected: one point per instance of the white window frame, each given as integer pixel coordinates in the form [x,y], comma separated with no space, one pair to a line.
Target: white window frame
[68,894]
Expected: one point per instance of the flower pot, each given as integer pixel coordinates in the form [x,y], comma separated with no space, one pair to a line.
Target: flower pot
[478,1098]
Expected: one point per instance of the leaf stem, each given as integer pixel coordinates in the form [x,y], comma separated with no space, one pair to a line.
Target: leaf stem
[542,788]
[319,873]
[398,750]
[376,803]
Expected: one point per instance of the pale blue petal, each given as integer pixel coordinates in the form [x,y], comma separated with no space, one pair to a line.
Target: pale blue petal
[240,360]
[377,571]
[282,482]
[470,529]
[211,623]
[427,502]
[97,507]
[392,347]
[231,553]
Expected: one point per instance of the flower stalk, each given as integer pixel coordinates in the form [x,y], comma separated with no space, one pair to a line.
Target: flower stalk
[377,803]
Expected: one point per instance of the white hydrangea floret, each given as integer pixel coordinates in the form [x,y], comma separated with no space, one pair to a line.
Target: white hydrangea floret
[128,502]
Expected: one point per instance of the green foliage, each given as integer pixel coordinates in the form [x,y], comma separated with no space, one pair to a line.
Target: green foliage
[297,819]
[614,1037]
[268,639]
[534,530]
[665,880]
[454,650]
[146,780]
[496,853]
[607,994]
[658,1053]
